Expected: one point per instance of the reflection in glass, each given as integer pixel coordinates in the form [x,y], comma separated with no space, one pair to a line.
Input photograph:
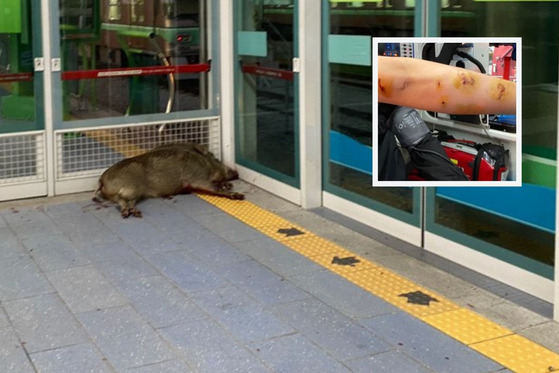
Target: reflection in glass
[267,131]
[135,57]
[17,79]
[532,21]
[350,99]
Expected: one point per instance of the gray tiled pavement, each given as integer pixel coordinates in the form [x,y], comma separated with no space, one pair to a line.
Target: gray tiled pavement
[190,289]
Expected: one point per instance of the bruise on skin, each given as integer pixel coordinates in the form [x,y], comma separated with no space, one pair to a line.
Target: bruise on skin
[469,109]
[444,100]
[500,91]
[464,80]
[385,87]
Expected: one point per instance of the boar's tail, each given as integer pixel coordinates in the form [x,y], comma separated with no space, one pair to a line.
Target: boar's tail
[97,194]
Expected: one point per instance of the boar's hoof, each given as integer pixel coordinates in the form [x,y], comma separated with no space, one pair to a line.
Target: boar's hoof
[131,211]
[236,196]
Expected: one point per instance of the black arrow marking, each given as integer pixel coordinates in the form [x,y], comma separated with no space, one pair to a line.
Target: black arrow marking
[348,261]
[420,298]
[290,232]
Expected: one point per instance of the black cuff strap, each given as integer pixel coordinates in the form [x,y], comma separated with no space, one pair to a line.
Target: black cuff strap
[407,125]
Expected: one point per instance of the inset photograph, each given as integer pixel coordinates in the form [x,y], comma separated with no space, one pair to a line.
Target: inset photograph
[446,112]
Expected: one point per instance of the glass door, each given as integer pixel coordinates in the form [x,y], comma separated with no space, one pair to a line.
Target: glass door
[22,137]
[348,29]
[131,75]
[267,103]
[515,226]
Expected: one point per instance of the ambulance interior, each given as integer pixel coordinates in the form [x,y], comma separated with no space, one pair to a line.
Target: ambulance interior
[483,146]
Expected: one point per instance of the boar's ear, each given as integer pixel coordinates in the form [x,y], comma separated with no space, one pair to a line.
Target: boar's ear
[201,149]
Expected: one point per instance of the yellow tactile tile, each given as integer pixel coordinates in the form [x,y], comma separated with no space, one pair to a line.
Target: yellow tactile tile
[116,143]
[343,262]
[246,211]
[516,353]
[466,326]
[314,246]
[400,292]
[285,232]
[519,354]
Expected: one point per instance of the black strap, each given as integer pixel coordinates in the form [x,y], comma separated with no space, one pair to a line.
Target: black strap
[477,162]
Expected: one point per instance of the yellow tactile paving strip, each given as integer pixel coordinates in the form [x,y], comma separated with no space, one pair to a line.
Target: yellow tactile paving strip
[108,137]
[490,339]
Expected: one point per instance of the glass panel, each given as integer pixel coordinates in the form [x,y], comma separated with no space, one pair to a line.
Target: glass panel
[521,231]
[19,86]
[267,130]
[132,57]
[349,94]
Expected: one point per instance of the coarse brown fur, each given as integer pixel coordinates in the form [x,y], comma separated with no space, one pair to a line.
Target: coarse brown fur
[162,172]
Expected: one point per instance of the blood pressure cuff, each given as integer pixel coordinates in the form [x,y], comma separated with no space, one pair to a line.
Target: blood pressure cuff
[407,125]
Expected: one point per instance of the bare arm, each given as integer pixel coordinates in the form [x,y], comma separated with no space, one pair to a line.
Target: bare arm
[433,86]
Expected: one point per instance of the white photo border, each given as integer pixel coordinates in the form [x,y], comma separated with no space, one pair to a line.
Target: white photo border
[416,183]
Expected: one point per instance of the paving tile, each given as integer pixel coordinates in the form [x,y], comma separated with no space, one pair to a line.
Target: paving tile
[21,278]
[124,338]
[43,322]
[64,210]
[109,251]
[224,298]
[206,347]
[295,353]
[143,237]
[386,362]
[228,227]
[85,289]
[158,300]
[84,358]
[124,263]
[188,273]
[85,229]
[4,322]
[29,222]
[12,355]
[160,214]
[210,248]
[342,337]
[262,283]
[343,295]
[191,205]
[172,366]
[429,346]
[246,319]
[57,252]
[280,259]
[10,247]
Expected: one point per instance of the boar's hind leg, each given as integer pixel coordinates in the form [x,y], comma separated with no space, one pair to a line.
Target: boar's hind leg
[128,208]
[127,203]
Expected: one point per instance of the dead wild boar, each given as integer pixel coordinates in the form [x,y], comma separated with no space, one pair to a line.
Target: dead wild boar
[165,171]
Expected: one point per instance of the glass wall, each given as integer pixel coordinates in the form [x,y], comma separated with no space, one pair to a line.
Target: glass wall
[135,57]
[267,131]
[518,224]
[348,102]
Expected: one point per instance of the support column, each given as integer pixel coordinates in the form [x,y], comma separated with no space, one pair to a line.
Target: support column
[310,118]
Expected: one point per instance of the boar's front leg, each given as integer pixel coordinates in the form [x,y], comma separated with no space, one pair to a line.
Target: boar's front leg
[217,189]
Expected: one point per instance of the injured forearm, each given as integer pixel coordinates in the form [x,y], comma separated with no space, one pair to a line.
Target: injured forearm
[442,88]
